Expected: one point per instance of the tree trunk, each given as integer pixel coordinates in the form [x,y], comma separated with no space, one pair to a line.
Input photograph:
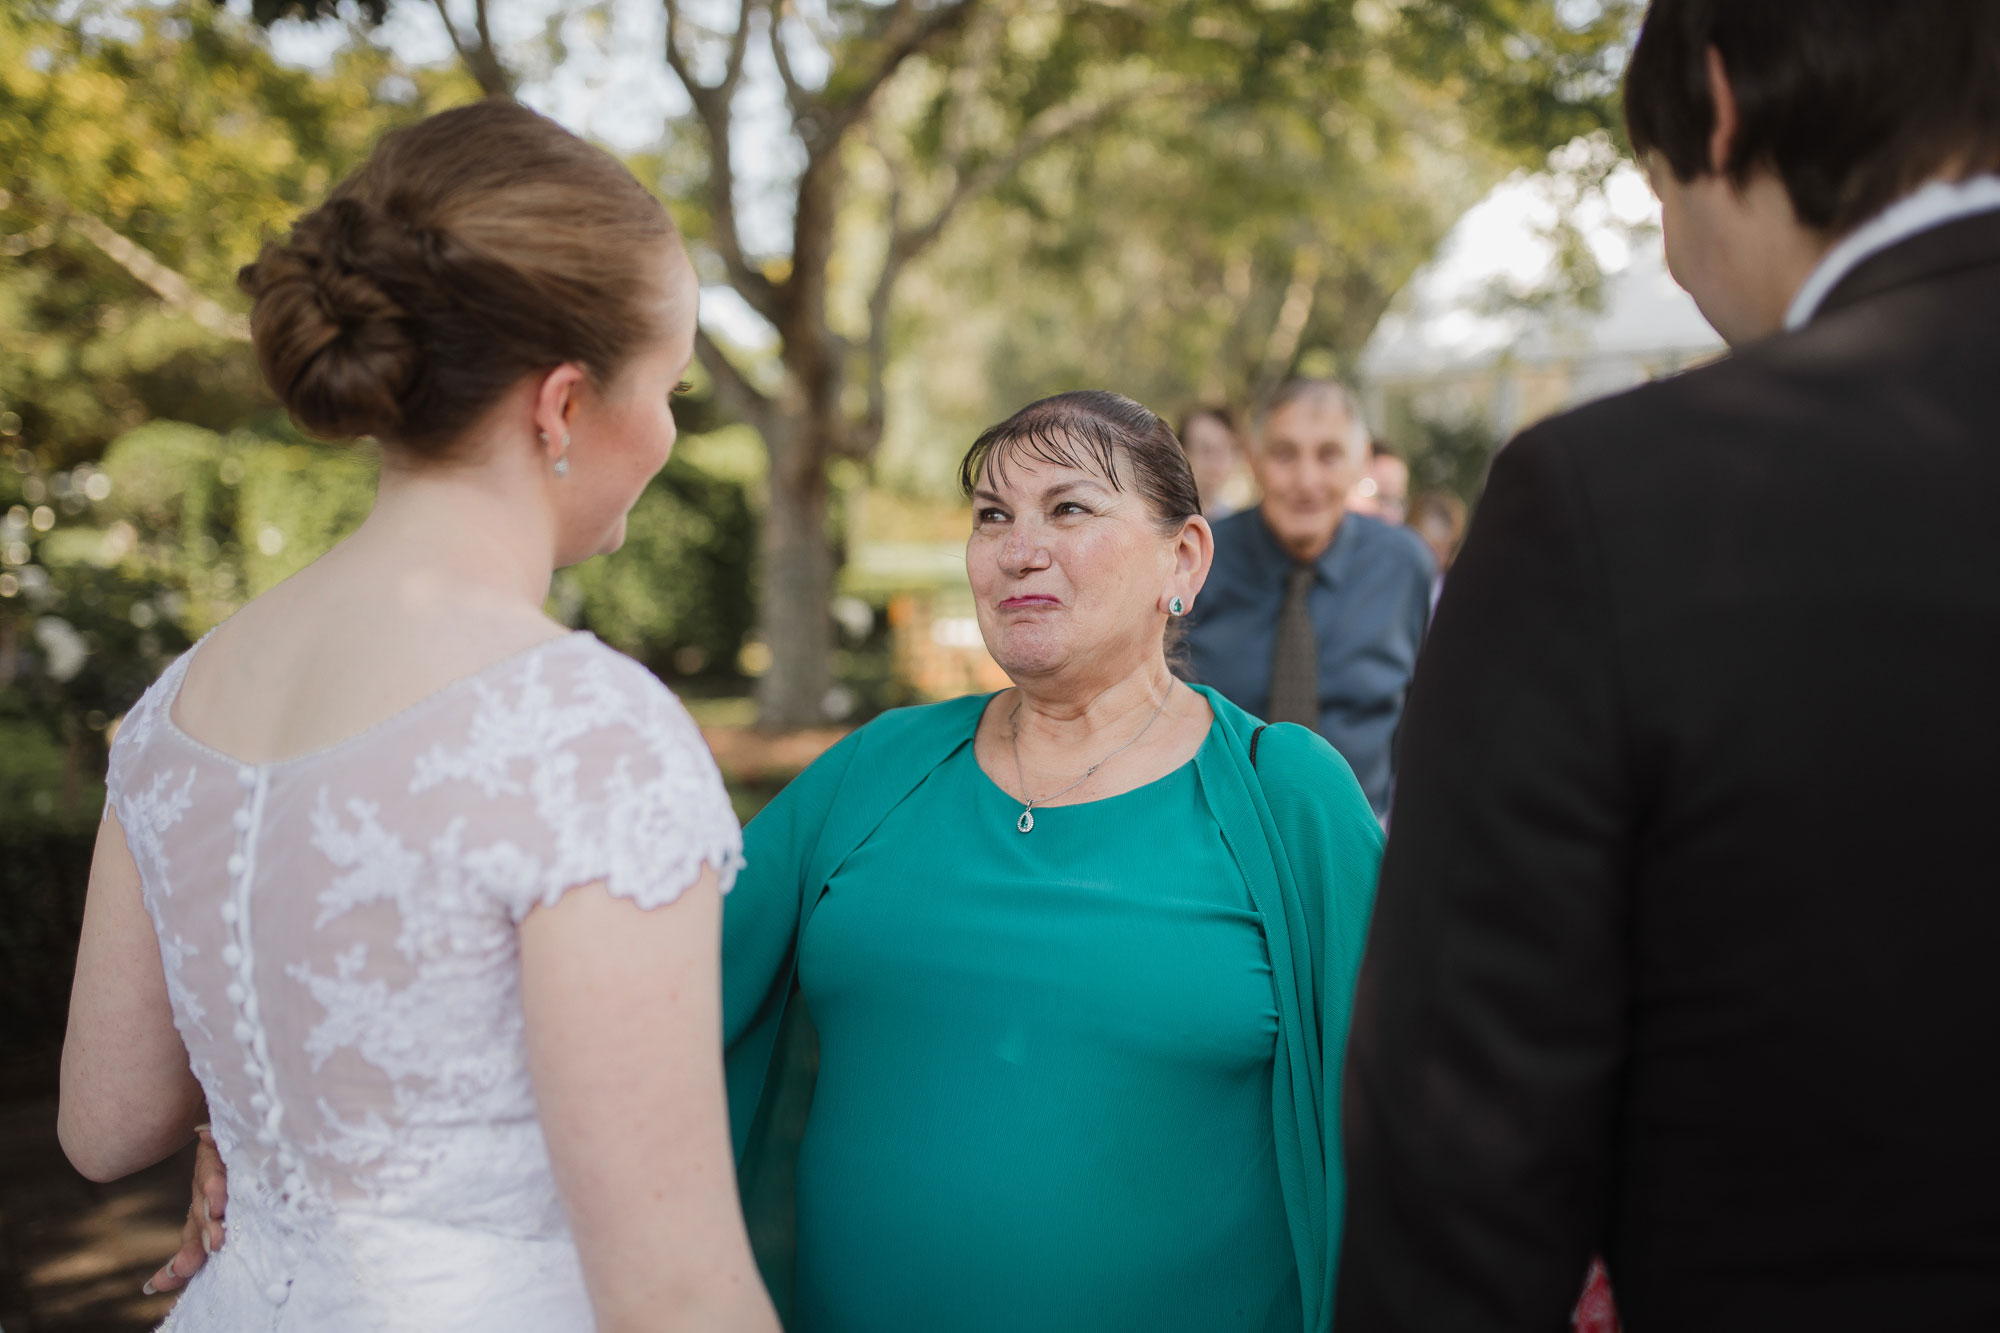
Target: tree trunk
[794,620]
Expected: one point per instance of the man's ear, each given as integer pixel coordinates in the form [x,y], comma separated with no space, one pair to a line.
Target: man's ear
[1722,139]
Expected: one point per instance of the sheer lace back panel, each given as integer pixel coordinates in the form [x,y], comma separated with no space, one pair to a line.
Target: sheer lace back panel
[338,930]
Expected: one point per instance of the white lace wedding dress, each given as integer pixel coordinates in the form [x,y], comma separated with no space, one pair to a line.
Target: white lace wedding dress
[338,934]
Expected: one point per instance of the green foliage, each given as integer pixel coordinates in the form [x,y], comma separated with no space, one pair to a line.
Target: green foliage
[677,595]
[173,130]
[1448,456]
[214,520]
[293,503]
[1206,245]
[1533,74]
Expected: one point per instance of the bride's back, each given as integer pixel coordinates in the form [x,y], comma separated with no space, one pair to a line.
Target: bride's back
[347,804]
[338,929]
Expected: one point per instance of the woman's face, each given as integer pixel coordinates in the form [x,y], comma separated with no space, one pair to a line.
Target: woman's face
[1071,575]
[622,435]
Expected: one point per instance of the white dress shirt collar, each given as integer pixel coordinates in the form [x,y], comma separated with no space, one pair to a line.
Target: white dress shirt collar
[1932,206]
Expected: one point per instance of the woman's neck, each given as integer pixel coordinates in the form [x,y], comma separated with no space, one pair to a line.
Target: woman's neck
[1069,713]
[456,532]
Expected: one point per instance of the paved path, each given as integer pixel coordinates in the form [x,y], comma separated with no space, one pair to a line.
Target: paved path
[73,1255]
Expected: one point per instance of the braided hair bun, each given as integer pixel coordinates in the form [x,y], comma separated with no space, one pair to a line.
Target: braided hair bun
[473,248]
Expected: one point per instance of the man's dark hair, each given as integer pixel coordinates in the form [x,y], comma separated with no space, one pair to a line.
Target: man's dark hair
[1853,103]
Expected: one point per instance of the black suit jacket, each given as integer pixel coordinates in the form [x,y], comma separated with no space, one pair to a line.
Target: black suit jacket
[1687,949]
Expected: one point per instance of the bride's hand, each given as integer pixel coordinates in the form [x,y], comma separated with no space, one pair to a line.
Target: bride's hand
[201,1235]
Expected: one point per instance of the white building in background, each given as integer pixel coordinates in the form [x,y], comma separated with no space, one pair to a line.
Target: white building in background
[1462,344]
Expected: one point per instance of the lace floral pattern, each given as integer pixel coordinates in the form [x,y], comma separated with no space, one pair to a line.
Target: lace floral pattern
[338,936]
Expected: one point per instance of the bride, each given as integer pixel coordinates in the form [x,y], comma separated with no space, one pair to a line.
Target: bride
[411,895]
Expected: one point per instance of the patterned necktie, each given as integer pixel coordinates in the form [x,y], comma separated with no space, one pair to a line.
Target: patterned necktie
[1295,662]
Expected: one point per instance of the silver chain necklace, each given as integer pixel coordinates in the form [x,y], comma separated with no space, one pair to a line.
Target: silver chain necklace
[1026,823]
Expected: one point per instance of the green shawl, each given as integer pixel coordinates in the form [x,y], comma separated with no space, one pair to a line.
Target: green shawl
[1301,833]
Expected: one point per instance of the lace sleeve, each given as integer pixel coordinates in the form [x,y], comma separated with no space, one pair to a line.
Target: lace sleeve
[608,781]
[123,775]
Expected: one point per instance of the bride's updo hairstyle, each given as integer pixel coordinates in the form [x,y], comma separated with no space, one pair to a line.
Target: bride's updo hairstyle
[471,249]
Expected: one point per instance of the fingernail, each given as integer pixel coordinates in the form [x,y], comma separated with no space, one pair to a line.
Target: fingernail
[147,1290]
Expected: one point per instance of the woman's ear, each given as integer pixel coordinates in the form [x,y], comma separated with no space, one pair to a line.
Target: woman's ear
[554,404]
[1194,554]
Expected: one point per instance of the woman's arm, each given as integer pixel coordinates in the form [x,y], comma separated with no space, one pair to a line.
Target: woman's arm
[624,1024]
[761,922]
[128,1096]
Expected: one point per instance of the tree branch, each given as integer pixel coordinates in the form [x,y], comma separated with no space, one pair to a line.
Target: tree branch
[907,242]
[738,394]
[803,103]
[1049,126]
[907,34]
[163,282]
[480,58]
[1290,326]
[975,55]
[676,61]
[869,434]
[739,44]
[712,107]
[724,88]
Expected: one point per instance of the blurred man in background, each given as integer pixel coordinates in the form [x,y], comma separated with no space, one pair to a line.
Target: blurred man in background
[1313,613]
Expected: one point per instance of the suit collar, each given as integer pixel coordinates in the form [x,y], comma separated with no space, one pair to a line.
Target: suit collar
[1970,242]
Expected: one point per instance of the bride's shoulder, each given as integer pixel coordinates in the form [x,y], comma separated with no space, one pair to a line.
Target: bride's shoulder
[587,662]
[614,696]
[590,746]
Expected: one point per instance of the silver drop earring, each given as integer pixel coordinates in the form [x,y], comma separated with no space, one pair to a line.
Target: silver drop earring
[1177,607]
[562,462]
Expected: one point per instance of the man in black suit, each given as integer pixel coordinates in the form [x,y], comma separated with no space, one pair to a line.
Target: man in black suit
[1687,949]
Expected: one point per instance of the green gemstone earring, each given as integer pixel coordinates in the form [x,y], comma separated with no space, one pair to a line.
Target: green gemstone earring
[1177,607]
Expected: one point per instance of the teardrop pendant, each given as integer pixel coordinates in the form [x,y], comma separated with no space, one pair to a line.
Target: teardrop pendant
[1026,822]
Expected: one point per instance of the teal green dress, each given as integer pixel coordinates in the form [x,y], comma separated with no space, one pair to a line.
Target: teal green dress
[1015,1032]
[1065,1080]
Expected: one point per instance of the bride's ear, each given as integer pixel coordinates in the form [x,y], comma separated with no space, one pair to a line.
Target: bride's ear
[555,403]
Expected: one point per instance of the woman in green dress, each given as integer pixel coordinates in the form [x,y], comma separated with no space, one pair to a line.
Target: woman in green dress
[1078,955]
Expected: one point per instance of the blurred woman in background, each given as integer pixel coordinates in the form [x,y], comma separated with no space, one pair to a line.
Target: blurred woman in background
[1438,517]
[1214,449]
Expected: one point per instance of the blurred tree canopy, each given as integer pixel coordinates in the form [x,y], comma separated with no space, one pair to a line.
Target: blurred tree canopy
[144,154]
[1229,189]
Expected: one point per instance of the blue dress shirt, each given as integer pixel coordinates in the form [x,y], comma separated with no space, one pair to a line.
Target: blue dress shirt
[1370,603]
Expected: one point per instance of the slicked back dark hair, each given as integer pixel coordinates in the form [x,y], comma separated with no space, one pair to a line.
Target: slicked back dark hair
[1093,430]
[1853,103]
